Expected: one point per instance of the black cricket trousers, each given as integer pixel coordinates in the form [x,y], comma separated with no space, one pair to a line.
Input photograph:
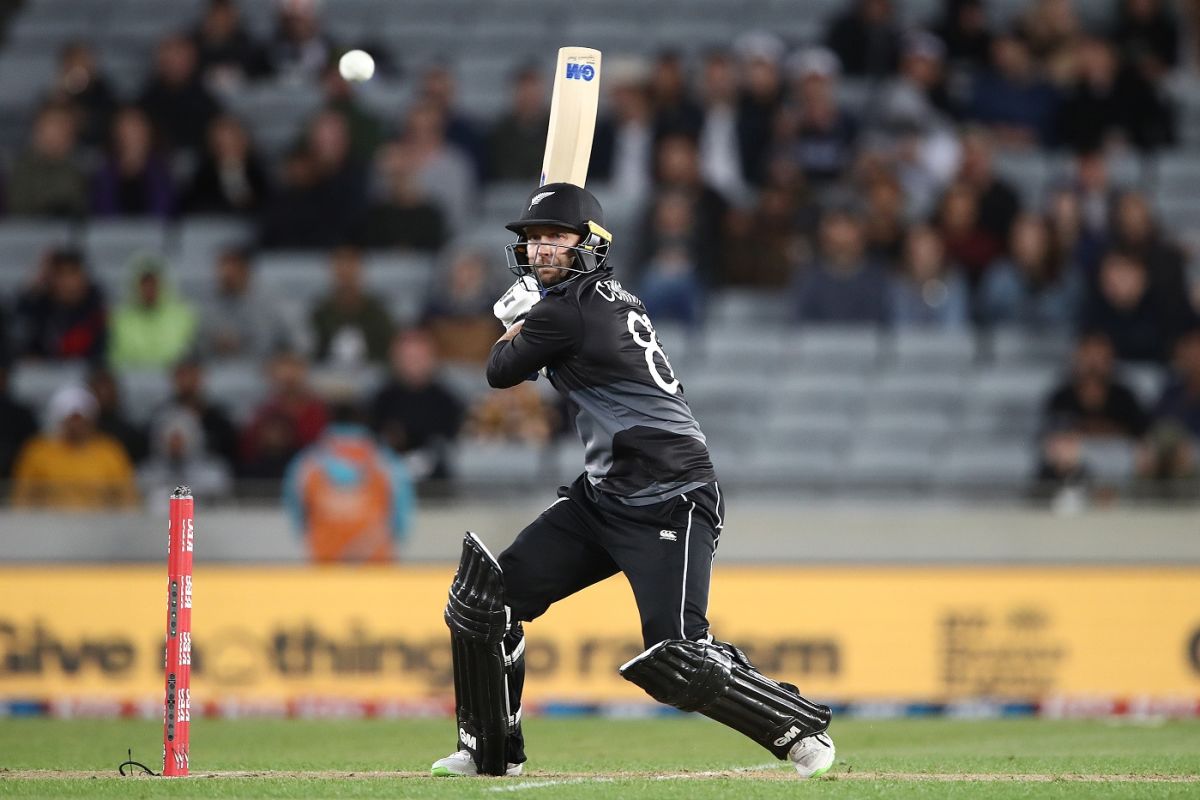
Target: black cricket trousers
[664,549]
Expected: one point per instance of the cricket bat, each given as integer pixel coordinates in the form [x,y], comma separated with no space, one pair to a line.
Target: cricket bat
[572,116]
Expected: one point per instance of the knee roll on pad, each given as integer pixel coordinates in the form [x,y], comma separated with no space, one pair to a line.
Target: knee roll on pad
[478,622]
[475,609]
[718,681]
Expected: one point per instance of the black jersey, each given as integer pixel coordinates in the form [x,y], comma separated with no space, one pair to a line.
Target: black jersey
[641,442]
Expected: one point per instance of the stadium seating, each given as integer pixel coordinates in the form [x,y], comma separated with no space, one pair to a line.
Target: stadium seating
[778,402]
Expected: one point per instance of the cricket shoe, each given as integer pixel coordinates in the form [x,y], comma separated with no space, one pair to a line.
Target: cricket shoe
[461,764]
[812,756]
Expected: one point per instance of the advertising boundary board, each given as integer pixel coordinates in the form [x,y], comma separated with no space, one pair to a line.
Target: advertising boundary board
[374,636]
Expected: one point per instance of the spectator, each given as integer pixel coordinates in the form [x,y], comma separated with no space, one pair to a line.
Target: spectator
[404,217]
[445,174]
[922,154]
[517,140]
[998,201]
[1071,238]
[230,179]
[458,312]
[520,415]
[325,190]
[1150,116]
[623,145]
[1050,29]
[1123,308]
[885,219]
[763,248]
[911,124]
[677,169]
[1134,229]
[73,466]
[351,499]
[226,53]
[45,180]
[275,444]
[439,90]
[153,327]
[927,292]
[964,29]
[295,216]
[1093,113]
[1068,235]
[62,315]
[1012,100]
[1147,36]
[364,129]
[176,99]
[866,39]
[918,96]
[1175,436]
[671,281]
[414,413]
[178,458]
[1092,403]
[818,134]
[760,101]
[843,286]
[17,423]
[720,163]
[1093,192]
[235,319]
[111,417]
[1180,400]
[1037,287]
[341,176]
[134,180]
[675,110]
[968,243]
[350,324]
[298,50]
[188,397]
[291,418]
[1106,103]
[80,85]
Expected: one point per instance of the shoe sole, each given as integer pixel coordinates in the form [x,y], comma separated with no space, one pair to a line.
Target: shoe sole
[446,772]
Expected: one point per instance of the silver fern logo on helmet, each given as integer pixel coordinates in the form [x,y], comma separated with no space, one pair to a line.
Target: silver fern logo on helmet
[537,198]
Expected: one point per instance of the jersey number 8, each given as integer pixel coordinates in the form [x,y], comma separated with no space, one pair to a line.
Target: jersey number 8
[667,383]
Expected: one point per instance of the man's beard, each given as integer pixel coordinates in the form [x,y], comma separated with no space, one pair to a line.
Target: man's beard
[553,278]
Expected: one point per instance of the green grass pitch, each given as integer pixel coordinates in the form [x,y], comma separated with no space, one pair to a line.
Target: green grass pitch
[684,757]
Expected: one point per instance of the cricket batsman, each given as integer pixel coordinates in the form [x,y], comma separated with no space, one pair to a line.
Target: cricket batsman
[648,505]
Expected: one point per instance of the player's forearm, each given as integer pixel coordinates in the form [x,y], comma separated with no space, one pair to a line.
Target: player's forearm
[509,364]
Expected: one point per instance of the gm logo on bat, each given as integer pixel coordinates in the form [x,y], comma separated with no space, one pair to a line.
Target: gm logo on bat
[580,72]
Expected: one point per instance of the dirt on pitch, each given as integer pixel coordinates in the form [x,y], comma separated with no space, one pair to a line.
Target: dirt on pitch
[774,774]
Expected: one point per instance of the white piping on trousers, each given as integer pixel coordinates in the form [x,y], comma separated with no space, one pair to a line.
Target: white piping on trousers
[687,538]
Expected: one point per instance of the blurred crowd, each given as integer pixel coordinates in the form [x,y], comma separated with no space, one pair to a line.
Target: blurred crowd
[744,168]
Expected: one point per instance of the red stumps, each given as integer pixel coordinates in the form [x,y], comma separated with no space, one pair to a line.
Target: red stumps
[177,709]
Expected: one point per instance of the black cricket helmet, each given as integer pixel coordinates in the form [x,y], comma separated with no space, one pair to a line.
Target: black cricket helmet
[562,205]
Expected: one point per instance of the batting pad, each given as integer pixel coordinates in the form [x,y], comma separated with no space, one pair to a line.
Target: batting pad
[705,677]
[477,619]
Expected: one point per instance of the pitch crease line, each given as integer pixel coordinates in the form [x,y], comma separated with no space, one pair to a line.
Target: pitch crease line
[520,787]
